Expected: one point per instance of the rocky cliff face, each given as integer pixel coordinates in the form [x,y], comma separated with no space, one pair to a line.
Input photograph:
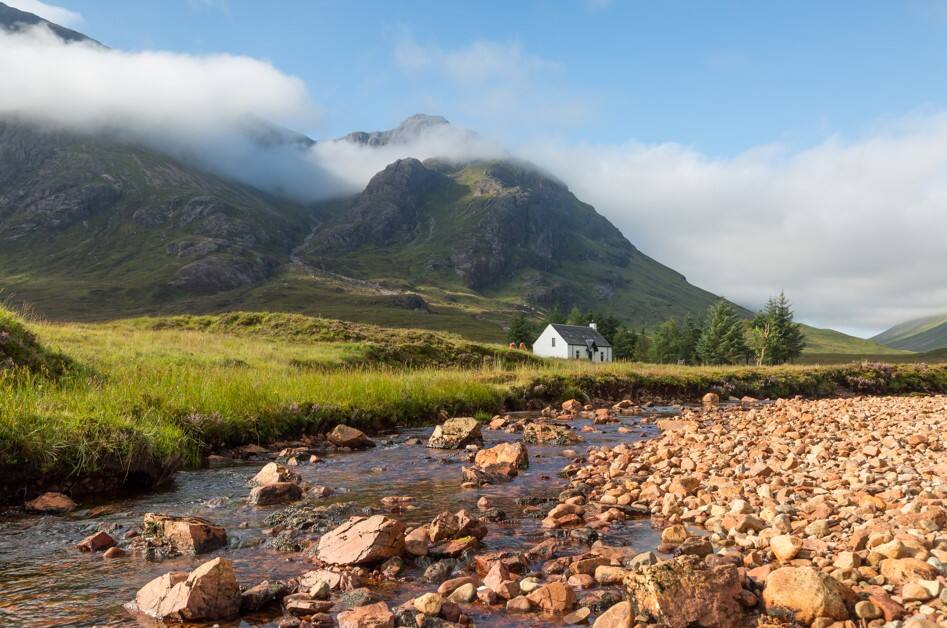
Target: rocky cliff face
[486,221]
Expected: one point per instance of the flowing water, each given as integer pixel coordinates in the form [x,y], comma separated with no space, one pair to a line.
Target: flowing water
[45,581]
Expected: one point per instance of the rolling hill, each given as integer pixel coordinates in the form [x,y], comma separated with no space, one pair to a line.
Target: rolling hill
[922,334]
[829,341]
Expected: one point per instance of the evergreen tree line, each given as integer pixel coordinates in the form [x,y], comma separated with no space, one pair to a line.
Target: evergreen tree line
[720,336]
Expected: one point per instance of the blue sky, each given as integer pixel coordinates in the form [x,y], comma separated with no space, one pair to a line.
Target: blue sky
[752,146]
[719,76]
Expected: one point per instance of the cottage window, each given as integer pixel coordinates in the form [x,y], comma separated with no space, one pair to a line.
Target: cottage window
[554,341]
[577,353]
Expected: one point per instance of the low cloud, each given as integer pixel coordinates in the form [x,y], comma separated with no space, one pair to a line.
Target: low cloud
[851,230]
[56,14]
[206,108]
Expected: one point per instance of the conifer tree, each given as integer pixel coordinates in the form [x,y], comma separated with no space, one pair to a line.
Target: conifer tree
[722,340]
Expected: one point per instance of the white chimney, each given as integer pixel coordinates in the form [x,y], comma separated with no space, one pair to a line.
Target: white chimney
[593,326]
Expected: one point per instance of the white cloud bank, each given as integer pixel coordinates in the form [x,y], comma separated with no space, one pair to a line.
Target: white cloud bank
[198,107]
[53,13]
[853,231]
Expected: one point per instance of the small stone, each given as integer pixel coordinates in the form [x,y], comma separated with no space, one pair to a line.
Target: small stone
[519,604]
[429,604]
[463,594]
[51,503]
[97,542]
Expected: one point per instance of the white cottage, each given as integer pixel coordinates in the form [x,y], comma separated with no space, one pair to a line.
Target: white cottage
[573,342]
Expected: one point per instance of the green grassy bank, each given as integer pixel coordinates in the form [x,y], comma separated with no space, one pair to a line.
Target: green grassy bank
[148,396]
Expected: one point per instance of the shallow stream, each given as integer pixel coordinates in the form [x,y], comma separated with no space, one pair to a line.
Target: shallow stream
[45,581]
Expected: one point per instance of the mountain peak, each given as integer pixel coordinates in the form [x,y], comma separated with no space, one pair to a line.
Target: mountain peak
[409,129]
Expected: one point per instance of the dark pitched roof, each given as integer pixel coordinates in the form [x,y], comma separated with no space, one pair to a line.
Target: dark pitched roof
[580,335]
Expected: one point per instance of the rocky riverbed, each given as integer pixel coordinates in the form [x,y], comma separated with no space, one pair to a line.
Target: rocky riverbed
[789,513]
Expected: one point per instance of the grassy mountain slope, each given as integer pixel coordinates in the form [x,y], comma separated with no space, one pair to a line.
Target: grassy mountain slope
[922,334]
[829,341]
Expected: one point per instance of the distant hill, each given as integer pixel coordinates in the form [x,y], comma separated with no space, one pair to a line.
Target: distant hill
[922,334]
[829,341]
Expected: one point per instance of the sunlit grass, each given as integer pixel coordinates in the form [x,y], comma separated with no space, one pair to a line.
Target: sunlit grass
[167,397]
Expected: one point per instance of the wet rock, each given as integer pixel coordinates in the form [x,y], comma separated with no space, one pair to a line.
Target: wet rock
[51,503]
[349,437]
[356,597]
[335,580]
[114,552]
[464,594]
[429,604]
[549,434]
[578,616]
[452,526]
[456,433]
[186,534]
[376,615]
[805,593]
[683,591]
[272,494]
[301,606]
[209,592]
[417,542]
[617,616]
[554,597]
[273,473]
[362,540]
[438,572]
[262,595]
[514,454]
[519,604]
[98,542]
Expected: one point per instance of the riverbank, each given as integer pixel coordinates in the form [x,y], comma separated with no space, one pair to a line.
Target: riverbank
[146,398]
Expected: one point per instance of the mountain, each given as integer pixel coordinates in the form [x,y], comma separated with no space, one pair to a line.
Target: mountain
[15,20]
[502,229]
[829,341]
[922,334]
[97,226]
[405,132]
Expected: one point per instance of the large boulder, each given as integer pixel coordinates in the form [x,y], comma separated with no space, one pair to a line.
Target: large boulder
[456,433]
[271,494]
[684,591]
[555,597]
[187,534]
[209,592]
[549,434]
[362,540]
[513,454]
[804,593]
[345,436]
[617,616]
[273,473]
[51,503]
[447,526]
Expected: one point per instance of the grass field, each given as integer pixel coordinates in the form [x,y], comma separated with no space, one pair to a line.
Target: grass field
[159,394]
